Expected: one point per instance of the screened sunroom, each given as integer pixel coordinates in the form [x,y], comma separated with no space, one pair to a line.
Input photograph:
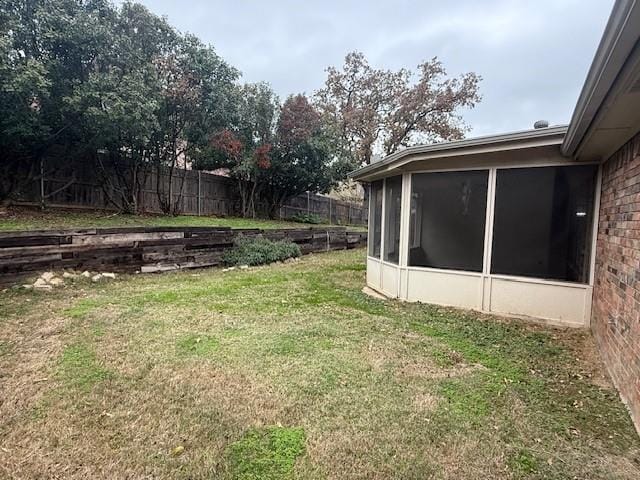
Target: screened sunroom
[501,224]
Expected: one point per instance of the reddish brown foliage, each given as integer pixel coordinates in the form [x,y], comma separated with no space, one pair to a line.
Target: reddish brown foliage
[298,121]
[226,142]
[381,110]
[261,156]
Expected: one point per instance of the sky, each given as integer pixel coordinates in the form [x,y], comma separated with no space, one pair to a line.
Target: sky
[533,56]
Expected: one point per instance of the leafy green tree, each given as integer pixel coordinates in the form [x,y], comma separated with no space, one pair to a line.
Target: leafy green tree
[305,157]
[47,49]
[245,149]
[194,87]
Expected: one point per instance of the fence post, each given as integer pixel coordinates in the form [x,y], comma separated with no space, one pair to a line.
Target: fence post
[349,215]
[199,194]
[330,222]
[42,204]
[308,203]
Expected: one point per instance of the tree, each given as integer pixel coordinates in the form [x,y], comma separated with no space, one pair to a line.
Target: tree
[47,48]
[115,85]
[194,83]
[275,153]
[381,110]
[245,150]
[305,155]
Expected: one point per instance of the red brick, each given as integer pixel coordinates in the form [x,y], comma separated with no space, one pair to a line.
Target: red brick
[615,317]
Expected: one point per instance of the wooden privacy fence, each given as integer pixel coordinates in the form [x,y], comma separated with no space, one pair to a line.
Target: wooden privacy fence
[78,185]
[23,254]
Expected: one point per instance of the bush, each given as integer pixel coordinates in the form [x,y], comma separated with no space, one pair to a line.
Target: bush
[259,251]
[306,218]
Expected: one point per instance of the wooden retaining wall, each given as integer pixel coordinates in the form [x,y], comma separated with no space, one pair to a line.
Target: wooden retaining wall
[24,254]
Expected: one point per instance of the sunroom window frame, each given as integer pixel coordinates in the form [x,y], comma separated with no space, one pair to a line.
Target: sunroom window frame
[489,224]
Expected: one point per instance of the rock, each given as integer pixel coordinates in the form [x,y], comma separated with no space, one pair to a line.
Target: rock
[96,277]
[244,267]
[47,276]
[69,275]
[56,281]
[86,274]
[27,287]
[41,284]
[110,275]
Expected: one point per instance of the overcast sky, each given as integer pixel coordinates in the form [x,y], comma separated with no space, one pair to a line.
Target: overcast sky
[533,56]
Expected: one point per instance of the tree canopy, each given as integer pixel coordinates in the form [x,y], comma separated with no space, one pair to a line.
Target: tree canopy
[377,110]
[118,85]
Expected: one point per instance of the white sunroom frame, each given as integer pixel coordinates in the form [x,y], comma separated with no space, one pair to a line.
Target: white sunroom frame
[556,301]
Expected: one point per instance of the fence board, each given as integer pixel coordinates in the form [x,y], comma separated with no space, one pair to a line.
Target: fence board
[202,194]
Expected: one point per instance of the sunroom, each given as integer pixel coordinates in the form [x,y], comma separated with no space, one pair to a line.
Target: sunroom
[502,224]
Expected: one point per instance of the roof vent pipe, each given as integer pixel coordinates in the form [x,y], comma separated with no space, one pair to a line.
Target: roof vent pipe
[541,124]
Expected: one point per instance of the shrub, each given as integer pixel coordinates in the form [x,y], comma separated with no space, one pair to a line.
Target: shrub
[306,218]
[259,251]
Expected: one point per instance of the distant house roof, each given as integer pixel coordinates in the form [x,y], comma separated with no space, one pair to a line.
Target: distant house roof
[606,116]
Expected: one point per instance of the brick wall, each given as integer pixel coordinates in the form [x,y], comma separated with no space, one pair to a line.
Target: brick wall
[616,302]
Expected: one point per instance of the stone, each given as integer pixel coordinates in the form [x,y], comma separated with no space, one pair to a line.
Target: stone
[41,284]
[56,281]
[47,276]
[86,274]
[69,275]
[96,277]
[244,267]
[110,275]
[27,287]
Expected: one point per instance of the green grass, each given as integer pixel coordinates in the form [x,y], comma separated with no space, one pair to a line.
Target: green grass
[290,371]
[79,367]
[266,454]
[33,219]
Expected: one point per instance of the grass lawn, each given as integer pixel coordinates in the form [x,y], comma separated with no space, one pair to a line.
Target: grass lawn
[289,371]
[34,219]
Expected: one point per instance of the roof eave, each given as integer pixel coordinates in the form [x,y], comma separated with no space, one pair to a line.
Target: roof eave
[547,136]
[620,37]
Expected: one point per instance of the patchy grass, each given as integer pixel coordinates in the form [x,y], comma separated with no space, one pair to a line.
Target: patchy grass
[19,218]
[197,345]
[193,375]
[79,367]
[266,454]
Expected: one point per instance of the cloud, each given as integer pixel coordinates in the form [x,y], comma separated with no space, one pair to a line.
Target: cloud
[533,56]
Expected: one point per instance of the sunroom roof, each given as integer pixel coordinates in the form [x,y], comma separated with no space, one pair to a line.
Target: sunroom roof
[485,144]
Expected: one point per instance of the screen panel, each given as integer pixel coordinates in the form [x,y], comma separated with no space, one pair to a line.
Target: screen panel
[375,219]
[543,222]
[447,220]
[393,208]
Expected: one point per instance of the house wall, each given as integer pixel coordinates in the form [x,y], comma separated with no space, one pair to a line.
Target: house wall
[616,301]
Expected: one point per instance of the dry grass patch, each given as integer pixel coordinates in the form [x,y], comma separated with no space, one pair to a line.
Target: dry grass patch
[290,371]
